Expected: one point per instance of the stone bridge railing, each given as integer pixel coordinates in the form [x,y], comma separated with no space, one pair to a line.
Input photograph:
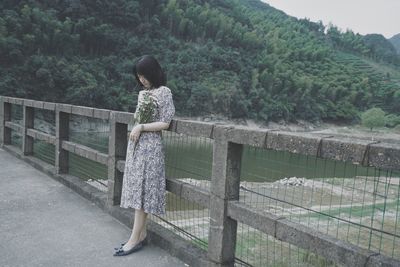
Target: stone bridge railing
[223,197]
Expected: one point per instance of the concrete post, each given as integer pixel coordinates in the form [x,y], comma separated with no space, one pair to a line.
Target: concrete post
[117,146]
[5,115]
[62,133]
[1,121]
[27,141]
[225,183]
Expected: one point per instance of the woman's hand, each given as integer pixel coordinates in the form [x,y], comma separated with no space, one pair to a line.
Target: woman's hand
[135,133]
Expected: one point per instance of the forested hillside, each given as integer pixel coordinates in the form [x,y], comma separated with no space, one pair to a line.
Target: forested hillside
[237,58]
[395,40]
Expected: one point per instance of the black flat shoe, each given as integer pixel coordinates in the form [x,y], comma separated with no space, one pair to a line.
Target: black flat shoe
[144,241]
[121,252]
[122,244]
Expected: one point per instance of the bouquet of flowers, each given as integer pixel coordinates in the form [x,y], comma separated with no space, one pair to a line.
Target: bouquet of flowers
[146,108]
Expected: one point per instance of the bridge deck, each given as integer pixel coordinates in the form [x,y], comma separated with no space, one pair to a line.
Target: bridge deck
[44,223]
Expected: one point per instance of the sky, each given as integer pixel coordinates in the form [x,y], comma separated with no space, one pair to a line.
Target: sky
[361,16]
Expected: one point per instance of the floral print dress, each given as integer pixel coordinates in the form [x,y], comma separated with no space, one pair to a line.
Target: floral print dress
[144,183]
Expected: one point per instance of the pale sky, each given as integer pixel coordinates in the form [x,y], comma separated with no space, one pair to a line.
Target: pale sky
[361,16]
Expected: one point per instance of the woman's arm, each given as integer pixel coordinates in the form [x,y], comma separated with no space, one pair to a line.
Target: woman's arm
[154,126]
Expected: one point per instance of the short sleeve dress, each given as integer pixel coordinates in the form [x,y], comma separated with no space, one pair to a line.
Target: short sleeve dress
[144,182]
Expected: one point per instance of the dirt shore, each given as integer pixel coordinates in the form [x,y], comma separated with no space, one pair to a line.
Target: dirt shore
[356,131]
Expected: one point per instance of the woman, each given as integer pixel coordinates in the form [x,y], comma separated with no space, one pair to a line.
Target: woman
[143,186]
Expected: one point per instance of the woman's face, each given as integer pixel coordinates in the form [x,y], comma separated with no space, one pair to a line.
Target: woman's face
[144,81]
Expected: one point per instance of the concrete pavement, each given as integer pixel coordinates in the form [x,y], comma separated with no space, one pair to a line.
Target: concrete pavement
[44,223]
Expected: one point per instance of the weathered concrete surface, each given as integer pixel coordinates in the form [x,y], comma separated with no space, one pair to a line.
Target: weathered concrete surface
[225,182]
[301,143]
[329,247]
[44,223]
[14,126]
[241,212]
[82,110]
[344,149]
[36,134]
[194,128]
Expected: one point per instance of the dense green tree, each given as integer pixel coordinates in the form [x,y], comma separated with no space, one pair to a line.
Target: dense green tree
[241,59]
[373,118]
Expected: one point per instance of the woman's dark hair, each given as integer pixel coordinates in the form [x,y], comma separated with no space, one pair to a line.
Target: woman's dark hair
[149,67]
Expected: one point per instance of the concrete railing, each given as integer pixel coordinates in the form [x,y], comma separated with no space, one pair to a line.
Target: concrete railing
[222,199]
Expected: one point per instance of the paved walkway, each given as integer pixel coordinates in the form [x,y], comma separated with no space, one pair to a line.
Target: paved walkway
[44,223]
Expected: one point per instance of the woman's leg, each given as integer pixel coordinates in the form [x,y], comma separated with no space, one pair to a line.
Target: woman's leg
[139,229]
[143,234]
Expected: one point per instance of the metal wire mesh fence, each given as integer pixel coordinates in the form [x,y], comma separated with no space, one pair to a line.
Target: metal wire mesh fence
[45,121]
[186,219]
[255,248]
[88,170]
[187,159]
[16,139]
[16,114]
[350,202]
[90,132]
[44,151]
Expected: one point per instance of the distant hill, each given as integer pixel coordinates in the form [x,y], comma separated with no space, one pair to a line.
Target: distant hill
[379,45]
[395,40]
[237,58]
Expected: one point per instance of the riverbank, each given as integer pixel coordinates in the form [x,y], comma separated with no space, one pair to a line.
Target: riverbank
[355,131]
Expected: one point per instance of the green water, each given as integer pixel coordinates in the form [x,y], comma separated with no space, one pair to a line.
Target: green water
[189,157]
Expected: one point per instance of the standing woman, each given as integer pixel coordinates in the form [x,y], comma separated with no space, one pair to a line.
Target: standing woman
[143,186]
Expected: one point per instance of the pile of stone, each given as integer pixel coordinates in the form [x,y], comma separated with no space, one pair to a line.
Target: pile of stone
[101,185]
[293,181]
